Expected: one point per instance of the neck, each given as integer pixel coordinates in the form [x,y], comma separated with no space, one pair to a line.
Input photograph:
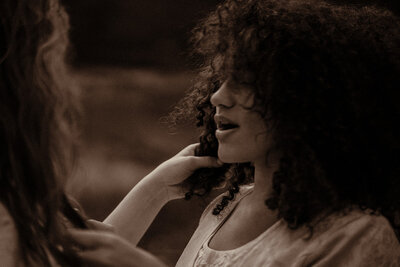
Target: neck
[255,201]
[263,174]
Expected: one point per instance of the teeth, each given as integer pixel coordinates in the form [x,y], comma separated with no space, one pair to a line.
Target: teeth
[226,126]
[224,123]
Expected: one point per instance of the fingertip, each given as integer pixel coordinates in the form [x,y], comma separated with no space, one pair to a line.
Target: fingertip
[193,146]
[215,162]
[206,162]
[97,225]
[189,150]
[72,235]
[72,231]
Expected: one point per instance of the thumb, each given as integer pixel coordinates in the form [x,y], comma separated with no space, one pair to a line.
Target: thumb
[96,225]
[206,162]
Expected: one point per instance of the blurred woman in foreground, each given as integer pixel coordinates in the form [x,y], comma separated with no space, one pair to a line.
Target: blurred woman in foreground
[37,115]
[37,140]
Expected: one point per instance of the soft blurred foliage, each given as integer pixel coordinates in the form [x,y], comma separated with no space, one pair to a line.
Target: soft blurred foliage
[130,60]
[134,33]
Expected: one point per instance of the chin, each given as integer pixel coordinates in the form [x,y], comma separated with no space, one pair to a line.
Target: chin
[230,156]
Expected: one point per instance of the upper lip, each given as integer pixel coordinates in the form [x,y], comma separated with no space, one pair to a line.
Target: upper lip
[222,121]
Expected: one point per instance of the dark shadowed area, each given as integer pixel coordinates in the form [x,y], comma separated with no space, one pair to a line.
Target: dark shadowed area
[130,59]
[151,33]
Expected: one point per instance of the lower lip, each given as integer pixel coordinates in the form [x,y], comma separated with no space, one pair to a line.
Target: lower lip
[223,134]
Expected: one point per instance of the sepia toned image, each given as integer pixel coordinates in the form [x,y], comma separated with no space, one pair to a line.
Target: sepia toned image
[199,133]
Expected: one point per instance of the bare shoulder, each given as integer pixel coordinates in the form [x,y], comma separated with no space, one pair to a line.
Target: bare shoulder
[355,238]
[6,221]
[367,223]
[8,238]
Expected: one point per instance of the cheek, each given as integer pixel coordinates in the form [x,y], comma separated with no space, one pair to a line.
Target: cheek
[256,142]
[256,133]
[249,144]
[261,145]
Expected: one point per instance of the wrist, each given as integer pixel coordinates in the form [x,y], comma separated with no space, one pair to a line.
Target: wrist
[155,187]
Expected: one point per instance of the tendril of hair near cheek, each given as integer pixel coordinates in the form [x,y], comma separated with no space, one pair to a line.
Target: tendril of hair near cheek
[324,77]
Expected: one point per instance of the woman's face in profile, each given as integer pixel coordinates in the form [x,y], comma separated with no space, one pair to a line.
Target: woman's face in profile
[241,132]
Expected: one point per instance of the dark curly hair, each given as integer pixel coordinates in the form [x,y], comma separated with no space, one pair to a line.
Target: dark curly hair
[325,78]
[37,128]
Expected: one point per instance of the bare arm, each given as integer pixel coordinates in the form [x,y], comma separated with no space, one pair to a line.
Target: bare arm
[8,239]
[132,217]
[104,248]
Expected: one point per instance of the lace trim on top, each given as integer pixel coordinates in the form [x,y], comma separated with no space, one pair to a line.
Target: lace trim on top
[211,257]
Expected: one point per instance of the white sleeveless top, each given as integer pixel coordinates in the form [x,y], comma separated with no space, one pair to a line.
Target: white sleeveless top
[210,257]
[352,239]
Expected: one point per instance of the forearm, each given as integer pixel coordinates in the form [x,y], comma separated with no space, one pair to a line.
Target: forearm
[132,217]
[137,210]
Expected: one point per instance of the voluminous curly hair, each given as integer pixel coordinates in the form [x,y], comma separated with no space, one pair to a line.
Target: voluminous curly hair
[325,79]
[37,127]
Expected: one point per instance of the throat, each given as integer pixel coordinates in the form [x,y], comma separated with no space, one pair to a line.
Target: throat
[245,223]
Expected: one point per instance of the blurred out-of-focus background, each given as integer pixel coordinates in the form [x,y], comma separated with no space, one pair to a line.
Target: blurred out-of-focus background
[130,59]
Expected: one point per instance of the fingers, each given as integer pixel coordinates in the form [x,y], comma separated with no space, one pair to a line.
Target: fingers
[96,225]
[89,239]
[205,162]
[105,249]
[199,162]
[189,150]
[105,258]
[92,257]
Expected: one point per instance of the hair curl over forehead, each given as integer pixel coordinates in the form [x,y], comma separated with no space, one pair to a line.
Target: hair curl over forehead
[325,79]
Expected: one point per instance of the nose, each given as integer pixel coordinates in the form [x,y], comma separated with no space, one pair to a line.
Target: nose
[222,97]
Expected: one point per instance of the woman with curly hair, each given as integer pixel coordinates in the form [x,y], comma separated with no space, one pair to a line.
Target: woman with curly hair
[299,99]
[37,132]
